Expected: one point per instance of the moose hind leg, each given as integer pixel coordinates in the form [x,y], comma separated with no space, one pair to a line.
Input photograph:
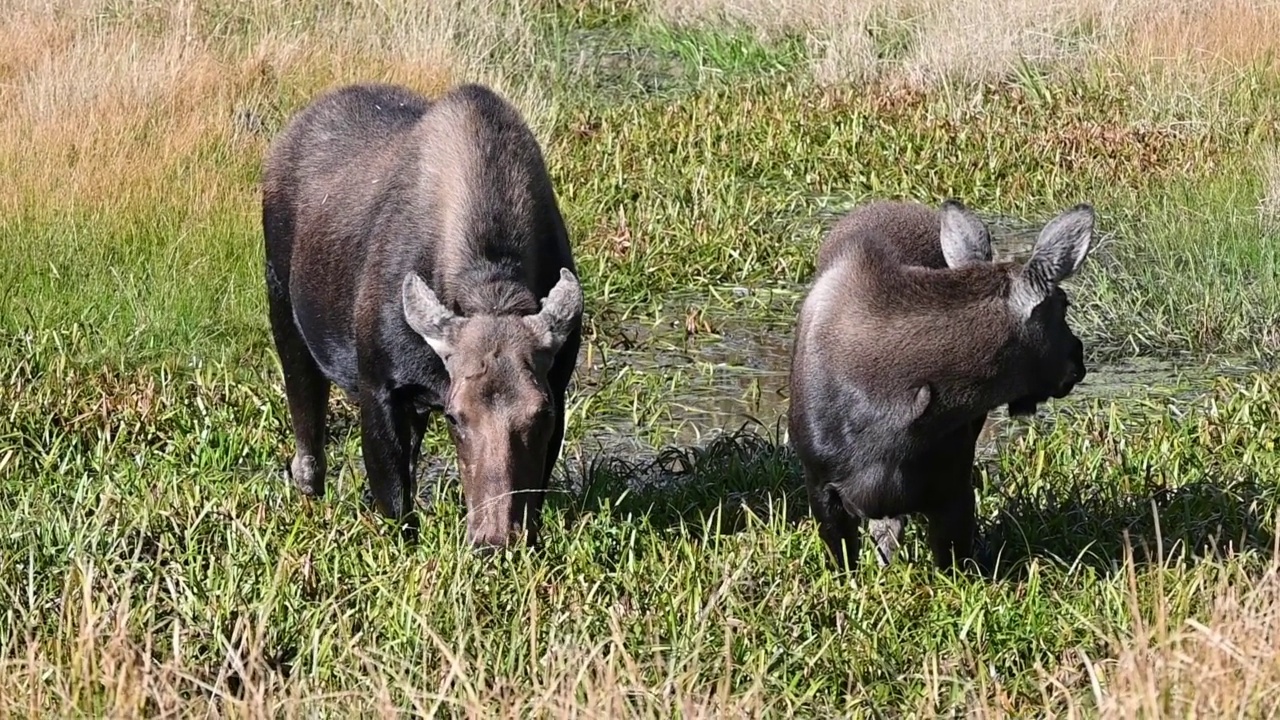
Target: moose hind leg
[307,391]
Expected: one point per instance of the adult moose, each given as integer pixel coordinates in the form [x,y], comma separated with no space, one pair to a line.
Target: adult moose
[416,257]
[909,336]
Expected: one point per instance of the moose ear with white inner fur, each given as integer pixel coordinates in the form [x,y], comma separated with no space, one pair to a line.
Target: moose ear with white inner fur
[920,401]
[561,311]
[1060,249]
[964,238]
[427,315]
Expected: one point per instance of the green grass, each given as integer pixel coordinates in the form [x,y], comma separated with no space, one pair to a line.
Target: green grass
[156,560]
[168,509]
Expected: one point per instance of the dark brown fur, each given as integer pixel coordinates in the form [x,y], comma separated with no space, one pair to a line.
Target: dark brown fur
[410,246]
[909,337]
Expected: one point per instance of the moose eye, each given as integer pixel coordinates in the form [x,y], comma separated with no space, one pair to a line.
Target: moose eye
[453,421]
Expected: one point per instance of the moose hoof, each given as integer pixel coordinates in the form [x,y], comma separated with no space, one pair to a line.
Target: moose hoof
[887,536]
[410,528]
[308,475]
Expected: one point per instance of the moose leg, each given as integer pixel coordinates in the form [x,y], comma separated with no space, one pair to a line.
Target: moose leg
[838,529]
[558,378]
[386,436]
[417,429]
[529,503]
[951,529]
[887,535]
[307,390]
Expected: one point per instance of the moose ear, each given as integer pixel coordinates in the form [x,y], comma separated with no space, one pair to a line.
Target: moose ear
[427,316]
[917,403]
[908,407]
[561,312]
[964,238]
[1060,249]
[920,401]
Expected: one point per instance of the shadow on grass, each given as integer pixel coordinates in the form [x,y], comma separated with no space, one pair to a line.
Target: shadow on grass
[1099,526]
[713,489]
[710,490]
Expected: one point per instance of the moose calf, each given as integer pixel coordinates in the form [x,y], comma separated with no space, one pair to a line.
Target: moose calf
[416,257]
[909,336]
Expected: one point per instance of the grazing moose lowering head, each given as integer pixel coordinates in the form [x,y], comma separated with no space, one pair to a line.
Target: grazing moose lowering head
[499,406]
[417,258]
[909,336]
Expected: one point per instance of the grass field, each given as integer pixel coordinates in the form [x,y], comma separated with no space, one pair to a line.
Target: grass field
[156,562]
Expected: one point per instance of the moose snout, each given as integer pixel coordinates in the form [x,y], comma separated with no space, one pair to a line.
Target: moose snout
[487,545]
[502,509]
[497,523]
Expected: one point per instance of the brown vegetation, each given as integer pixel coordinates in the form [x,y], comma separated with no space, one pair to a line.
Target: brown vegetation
[110,103]
[1224,665]
[110,668]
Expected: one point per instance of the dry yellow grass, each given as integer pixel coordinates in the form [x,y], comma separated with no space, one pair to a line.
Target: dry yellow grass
[975,40]
[103,666]
[980,41]
[1222,663]
[1225,665]
[109,103]
[1207,35]
[1192,60]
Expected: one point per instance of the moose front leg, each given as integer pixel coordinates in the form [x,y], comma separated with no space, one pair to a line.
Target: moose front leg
[417,430]
[951,529]
[386,438]
[839,530]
